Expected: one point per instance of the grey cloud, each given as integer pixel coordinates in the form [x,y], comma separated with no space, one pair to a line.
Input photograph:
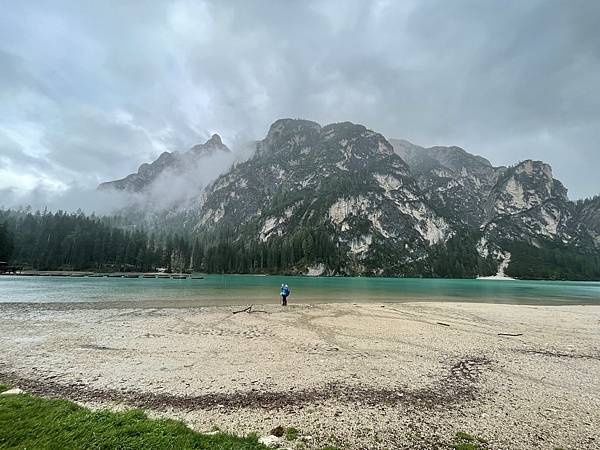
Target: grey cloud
[109,85]
[86,142]
[13,155]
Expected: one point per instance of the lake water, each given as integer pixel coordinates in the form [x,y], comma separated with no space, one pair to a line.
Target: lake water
[246,289]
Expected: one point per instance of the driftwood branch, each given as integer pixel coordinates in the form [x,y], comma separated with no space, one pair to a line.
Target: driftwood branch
[444,324]
[248,309]
[510,334]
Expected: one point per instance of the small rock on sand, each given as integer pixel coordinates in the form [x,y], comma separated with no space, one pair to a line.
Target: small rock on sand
[278,431]
[270,441]
[13,391]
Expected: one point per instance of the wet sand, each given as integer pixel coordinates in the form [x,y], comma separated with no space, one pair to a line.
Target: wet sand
[406,375]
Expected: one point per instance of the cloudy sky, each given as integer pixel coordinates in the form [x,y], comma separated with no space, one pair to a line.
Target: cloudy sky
[89,90]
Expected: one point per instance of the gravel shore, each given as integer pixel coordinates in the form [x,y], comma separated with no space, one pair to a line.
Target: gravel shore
[404,375]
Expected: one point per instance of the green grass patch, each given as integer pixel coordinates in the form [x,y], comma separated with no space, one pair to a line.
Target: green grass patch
[4,387]
[291,434]
[31,422]
[464,436]
[465,441]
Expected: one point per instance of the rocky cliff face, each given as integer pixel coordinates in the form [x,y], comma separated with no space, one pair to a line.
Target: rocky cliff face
[588,218]
[520,203]
[528,204]
[522,187]
[454,182]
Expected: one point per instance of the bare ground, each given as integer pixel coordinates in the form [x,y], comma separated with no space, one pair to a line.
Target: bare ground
[353,375]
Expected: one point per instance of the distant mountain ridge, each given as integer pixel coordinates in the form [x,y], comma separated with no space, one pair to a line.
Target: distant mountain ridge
[452,179]
[525,198]
[176,162]
[342,199]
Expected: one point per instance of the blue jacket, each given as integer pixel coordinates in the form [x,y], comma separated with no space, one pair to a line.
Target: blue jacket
[285,291]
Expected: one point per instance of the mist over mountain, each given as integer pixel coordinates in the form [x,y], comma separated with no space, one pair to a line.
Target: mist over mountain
[170,167]
[174,180]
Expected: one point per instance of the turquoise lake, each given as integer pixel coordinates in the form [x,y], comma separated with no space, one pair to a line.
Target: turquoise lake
[247,289]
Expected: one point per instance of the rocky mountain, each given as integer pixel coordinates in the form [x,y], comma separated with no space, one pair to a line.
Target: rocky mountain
[588,216]
[342,180]
[174,164]
[342,199]
[523,203]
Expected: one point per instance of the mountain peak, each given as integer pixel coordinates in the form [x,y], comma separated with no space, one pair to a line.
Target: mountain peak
[423,159]
[287,126]
[287,122]
[531,167]
[524,186]
[178,162]
[286,133]
[209,147]
[215,139]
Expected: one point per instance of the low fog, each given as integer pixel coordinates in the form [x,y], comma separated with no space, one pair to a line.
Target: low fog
[172,190]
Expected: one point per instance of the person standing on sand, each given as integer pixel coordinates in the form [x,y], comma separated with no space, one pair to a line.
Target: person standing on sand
[285,291]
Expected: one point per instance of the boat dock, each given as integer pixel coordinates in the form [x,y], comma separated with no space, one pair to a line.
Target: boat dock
[173,276]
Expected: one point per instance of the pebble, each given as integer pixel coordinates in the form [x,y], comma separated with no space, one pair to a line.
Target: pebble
[270,441]
[13,391]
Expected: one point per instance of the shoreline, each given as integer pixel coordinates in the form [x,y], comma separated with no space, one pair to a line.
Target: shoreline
[219,305]
[93,274]
[365,375]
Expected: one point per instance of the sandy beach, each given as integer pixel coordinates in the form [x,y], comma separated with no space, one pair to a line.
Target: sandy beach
[405,375]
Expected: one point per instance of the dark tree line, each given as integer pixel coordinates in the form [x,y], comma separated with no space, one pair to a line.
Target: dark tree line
[552,262]
[74,241]
[458,258]
[223,253]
